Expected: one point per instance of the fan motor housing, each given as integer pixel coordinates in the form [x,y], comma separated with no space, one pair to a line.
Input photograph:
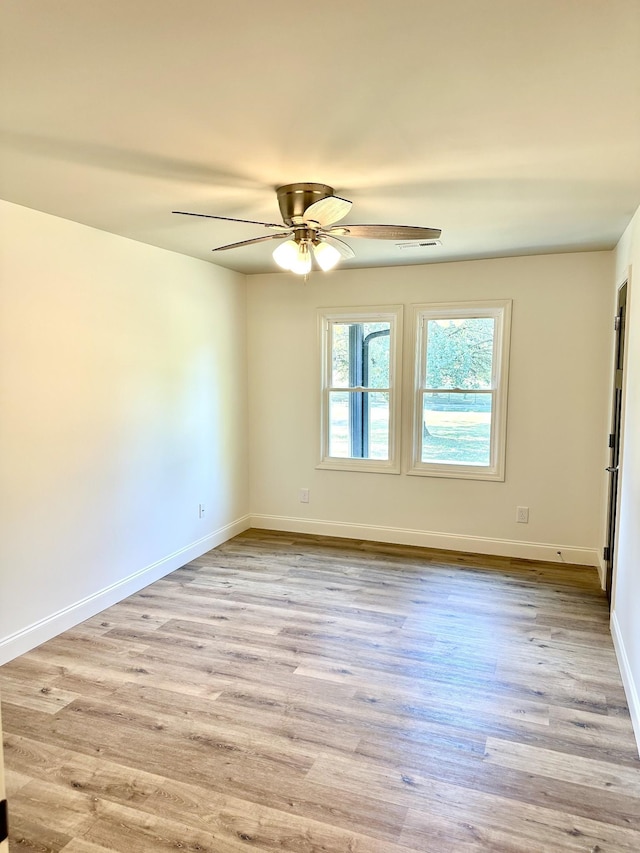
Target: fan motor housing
[294,199]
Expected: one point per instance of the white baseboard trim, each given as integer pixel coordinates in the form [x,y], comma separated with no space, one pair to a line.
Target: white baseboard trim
[39,632]
[602,570]
[630,689]
[429,539]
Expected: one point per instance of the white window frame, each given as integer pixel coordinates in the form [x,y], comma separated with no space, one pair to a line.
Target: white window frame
[500,310]
[327,318]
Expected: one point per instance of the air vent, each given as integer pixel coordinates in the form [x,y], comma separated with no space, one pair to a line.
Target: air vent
[419,244]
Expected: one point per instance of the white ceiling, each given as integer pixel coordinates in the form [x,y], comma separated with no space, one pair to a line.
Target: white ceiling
[513,125]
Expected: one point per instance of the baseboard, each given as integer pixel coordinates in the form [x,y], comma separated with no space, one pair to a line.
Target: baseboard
[39,632]
[630,689]
[428,539]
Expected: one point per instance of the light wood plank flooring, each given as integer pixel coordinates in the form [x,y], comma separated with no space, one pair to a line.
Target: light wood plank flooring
[290,693]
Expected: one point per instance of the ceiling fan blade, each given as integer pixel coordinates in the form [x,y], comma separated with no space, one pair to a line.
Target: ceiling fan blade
[251,242]
[230,219]
[327,211]
[345,250]
[390,232]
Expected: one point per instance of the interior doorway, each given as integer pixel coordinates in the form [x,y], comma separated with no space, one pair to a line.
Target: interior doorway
[614,439]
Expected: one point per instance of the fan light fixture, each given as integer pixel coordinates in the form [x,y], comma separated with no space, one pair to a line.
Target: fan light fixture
[326,256]
[295,256]
[309,213]
[286,254]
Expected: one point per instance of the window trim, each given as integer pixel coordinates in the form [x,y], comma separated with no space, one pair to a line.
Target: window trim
[327,317]
[500,310]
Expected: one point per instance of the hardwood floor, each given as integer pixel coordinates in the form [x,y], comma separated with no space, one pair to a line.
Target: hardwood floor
[289,693]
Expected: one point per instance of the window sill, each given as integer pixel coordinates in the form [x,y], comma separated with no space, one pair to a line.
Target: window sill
[364,466]
[458,473]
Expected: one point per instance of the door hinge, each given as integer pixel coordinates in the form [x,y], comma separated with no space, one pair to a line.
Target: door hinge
[4,823]
[607,554]
[617,322]
[612,439]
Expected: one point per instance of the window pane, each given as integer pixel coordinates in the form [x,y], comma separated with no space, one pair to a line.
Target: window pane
[339,424]
[459,353]
[340,355]
[360,355]
[456,428]
[376,347]
[378,426]
[359,425]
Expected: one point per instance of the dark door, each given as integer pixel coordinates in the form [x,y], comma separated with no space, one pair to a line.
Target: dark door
[614,438]
[4,830]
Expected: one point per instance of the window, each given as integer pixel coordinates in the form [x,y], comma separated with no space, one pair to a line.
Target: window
[459,415]
[360,389]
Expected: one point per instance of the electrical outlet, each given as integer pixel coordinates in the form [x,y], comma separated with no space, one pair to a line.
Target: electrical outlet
[200,510]
[304,496]
[522,514]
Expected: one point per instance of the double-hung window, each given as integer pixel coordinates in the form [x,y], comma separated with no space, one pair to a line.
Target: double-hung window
[459,404]
[361,388]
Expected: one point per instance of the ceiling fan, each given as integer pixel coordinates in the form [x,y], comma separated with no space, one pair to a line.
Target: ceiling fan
[309,213]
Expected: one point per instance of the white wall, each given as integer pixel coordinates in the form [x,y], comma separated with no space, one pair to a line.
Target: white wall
[626,590]
[123,406]
[557,419]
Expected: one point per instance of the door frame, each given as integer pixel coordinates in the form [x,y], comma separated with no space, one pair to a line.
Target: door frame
[614,469]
